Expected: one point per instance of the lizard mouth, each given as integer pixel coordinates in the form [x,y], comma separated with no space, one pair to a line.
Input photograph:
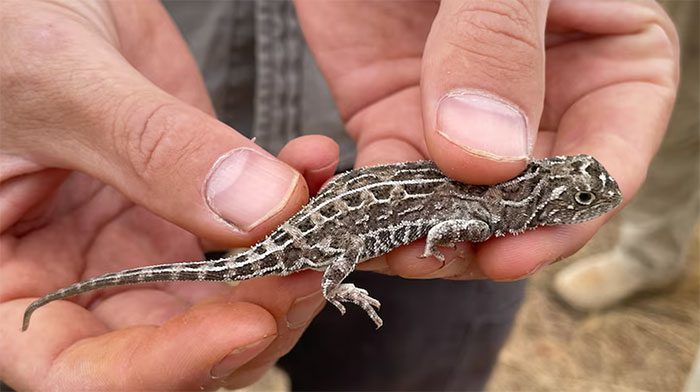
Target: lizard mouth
[597,211]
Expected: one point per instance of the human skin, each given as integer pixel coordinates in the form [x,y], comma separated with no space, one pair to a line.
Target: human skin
[107,146]
[593,77]
[111,157]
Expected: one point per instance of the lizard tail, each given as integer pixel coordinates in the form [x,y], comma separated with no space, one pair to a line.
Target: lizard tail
[196,270]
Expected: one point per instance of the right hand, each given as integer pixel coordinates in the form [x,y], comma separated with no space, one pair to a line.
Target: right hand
[464,82]
[111,158]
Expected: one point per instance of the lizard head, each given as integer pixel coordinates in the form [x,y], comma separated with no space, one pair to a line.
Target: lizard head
[576,189]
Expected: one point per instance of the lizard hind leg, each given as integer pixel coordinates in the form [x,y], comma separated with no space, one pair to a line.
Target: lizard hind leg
[337,292]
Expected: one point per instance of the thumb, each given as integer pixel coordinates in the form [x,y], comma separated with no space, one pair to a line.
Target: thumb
[483,86]
[76,102]
[195,171]
[190,169]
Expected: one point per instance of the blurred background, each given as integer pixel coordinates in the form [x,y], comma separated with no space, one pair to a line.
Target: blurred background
[645,343]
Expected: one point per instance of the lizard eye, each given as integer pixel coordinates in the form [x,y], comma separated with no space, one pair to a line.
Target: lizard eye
[584,198]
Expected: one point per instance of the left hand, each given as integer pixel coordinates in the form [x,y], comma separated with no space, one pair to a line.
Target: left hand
[106,145]
[464,83]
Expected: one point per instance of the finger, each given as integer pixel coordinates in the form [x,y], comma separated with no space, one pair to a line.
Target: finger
[18,196]
[314,156]
[142,306]
[407,262]
[293,301]
[187,352]
[483,87]
[389,137]
[618,115]
[625,101]
[196,172]
[93,112]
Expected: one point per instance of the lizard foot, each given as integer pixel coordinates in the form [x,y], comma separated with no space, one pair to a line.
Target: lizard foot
[432,250]
[348,292]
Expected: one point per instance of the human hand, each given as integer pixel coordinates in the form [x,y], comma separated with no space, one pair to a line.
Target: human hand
[108,141]
[464,82]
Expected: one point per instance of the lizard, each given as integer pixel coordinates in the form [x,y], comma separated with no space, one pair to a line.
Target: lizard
[367,212]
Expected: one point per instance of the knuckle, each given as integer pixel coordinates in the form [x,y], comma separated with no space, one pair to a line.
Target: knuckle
[505,23]
[157,142]
[664,67]
[502,34]
[666,26]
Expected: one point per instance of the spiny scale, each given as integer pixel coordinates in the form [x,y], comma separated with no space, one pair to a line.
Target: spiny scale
[367,212]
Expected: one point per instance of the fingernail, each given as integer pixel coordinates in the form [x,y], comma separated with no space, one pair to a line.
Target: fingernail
[239,357]
[329,167]
[528,274]
[543,265]
[245,187]
[484,125]
[304,309]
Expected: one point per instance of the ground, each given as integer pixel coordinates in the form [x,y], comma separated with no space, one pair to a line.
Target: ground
[647,343]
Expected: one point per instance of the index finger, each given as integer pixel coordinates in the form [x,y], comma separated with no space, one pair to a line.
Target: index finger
[77,352]
[617,113]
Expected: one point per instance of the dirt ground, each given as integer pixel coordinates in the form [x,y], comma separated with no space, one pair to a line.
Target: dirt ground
[646,344]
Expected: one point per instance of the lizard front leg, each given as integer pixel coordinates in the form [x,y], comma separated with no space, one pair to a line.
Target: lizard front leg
[337,292]
[449,232]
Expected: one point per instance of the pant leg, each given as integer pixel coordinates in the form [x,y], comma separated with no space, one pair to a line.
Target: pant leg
[437,335]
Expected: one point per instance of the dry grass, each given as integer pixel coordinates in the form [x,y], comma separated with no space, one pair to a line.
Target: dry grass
[647,343]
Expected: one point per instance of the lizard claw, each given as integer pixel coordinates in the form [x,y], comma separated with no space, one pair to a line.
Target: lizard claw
[338,305]
[432,251]
[348,292]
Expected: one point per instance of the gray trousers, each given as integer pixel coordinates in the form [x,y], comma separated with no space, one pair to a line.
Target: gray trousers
[438,335]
